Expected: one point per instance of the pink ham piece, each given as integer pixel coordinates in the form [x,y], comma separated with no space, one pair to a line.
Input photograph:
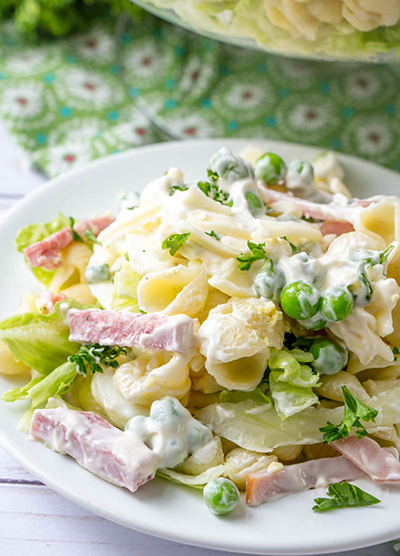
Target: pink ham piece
[335,227]
[154,331]
[263,486]
[368,456]
[46,253]
[96,445]
[330,211]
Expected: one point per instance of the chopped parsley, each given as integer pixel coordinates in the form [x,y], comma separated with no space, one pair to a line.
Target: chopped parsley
[354,412]
[396,352]
[245,260]
[385,254]
[308,219]
[132,207]
[90,357]
[90,237]
[295,249]
[213,191]
[212,175]
[75,236]
[174,242]
[212,234]
[174,188]
[366,285]
[344,495]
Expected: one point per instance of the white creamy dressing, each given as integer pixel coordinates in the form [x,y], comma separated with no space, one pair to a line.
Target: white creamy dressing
[170,432]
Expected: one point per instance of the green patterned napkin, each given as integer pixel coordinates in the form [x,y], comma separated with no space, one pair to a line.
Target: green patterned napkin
[66,102]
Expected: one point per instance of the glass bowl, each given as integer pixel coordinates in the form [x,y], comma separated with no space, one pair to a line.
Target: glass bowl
[346,30]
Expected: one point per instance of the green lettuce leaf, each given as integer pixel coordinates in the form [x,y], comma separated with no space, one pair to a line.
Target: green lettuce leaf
[194,481]
[125,289]
[39,341]
[291,382]
[36,232]
[236,396]
[39,390]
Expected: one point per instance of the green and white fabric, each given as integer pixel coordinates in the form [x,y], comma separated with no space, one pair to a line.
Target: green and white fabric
[68,101]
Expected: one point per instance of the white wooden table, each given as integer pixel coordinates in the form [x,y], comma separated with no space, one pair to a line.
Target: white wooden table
[36,521]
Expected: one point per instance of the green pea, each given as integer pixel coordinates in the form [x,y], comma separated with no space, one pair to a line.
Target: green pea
[270,167]
[329,357]
[221,496]
[300,300]
[336,303]
[97,273]
[299,174]
[270,282]
[315,323]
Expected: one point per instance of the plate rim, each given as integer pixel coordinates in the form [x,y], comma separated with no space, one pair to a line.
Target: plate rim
[75,496]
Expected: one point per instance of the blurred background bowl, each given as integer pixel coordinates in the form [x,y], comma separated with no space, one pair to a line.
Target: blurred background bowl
[315,29]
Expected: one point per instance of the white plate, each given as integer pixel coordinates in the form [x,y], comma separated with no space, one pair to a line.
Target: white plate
[161,508]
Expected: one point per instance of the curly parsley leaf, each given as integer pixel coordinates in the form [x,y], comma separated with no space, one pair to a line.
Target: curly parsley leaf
[254,203]
[91,357]
[174,242]
[294,248]
[354,412]
[174,188]
[212,234]
[245,260]
[90,237]
[75,236]
[344,495]
[213,191]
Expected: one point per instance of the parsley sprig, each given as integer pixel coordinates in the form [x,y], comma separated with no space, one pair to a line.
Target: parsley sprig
[257,253]
[91,357]
[344,495]
[354,412]
[174,242]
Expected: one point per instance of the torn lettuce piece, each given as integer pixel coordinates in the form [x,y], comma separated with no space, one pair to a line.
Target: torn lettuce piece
[36,232]
[235,396]
[39,390]
[257,426]
[125,289]
[40,341]
[291,382]
[194,481]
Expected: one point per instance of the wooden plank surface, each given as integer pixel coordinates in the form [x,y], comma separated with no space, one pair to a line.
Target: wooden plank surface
[34,520]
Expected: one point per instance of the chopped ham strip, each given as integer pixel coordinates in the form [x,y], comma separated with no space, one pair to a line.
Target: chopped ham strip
[330,211]
[366,454]
[263,486]
[96,445]
[46,253]
[335,227]
[154,331]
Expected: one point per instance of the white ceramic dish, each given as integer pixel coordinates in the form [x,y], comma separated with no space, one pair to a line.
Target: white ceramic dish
[161,508]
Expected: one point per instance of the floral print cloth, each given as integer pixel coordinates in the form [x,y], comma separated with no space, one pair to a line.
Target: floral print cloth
[68,101]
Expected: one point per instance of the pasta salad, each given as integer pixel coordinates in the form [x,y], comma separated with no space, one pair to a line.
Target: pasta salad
[234,334]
